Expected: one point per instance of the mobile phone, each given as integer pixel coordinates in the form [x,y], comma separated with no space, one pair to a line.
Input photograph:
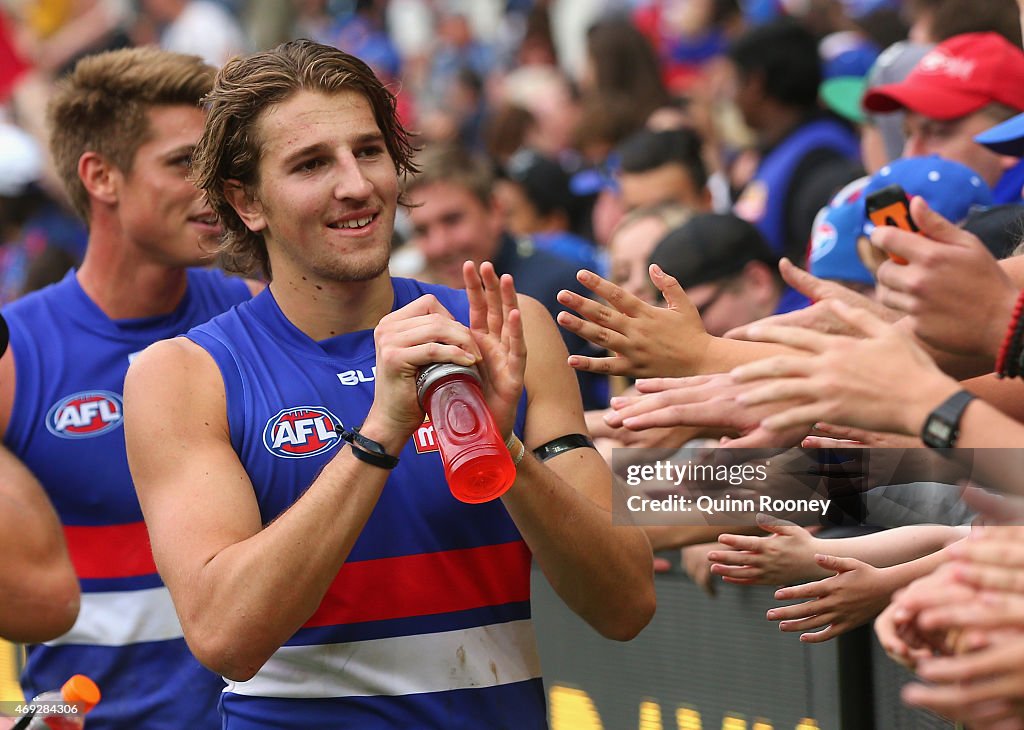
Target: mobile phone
[890,206]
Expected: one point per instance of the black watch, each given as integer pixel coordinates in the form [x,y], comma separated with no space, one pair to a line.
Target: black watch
[368,450]
[942,426]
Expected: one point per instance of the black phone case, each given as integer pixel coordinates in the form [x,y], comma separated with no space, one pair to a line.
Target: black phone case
[890,207]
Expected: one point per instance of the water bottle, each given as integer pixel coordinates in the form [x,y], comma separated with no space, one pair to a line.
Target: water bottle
[62,709]
[476,462]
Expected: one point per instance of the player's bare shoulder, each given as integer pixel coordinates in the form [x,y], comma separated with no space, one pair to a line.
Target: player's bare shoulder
[175,378]
[168,358]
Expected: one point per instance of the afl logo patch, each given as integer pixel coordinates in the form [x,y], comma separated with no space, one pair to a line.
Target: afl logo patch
[85,414]
[296,433]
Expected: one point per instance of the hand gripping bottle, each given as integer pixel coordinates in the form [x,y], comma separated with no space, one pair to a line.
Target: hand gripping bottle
[477,464]
[63,709]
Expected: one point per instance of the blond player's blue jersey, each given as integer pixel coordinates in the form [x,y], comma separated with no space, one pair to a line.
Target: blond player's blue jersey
[66,426]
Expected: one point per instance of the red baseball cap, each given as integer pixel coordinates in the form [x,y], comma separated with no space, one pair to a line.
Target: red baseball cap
[956,78]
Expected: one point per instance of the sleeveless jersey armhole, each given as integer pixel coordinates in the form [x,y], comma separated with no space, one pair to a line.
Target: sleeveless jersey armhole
[234,388]
[27,399]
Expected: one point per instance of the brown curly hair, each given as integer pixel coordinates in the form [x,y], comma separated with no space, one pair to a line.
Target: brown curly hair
[230,148]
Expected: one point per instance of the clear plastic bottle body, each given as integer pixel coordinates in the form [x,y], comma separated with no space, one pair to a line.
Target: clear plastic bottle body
[476,462]
[54,721]
[69,705]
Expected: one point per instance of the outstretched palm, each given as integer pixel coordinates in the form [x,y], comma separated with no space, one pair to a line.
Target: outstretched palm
[496,325]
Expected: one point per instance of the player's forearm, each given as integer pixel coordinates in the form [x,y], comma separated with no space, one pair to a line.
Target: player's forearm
[255,594]
[37,581]
[39,605]
[603,572]
[38,585]
[30,538]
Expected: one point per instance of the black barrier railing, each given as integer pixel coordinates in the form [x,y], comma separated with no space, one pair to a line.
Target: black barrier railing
[708,663]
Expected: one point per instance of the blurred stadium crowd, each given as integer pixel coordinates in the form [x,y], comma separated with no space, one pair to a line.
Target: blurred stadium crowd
[708,162]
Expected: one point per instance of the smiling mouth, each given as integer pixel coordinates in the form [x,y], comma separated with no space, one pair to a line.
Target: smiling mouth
[206,220]
[353,224]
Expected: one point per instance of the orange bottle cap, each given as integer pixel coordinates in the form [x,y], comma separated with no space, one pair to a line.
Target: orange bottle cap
[81,690]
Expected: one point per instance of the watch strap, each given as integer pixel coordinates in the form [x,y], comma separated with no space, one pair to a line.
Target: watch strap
[942,427]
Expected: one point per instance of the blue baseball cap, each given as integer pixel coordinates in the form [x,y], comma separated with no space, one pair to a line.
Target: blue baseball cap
[1006,138]
[855,60]
[950,189]
[833,249]
[860,8]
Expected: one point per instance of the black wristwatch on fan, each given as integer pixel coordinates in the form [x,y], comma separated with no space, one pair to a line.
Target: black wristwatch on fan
[942,427]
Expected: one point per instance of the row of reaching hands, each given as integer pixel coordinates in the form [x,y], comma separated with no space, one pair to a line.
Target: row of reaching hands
[846,371]
[846,359]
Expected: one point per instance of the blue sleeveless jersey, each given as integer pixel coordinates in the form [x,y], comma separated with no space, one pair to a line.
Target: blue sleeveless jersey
[65,425]
[763,201]
[427,624]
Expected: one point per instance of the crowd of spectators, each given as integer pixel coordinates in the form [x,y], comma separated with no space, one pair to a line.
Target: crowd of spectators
[707,164]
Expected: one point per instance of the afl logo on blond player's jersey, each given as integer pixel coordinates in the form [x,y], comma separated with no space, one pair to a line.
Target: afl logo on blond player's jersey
[296,433]
[85,414]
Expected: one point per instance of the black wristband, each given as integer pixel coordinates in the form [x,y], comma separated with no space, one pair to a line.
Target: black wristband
[560,445]
[368,450]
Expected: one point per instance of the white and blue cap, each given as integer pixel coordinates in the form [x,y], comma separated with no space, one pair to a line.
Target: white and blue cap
[833,249]
[952,190]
